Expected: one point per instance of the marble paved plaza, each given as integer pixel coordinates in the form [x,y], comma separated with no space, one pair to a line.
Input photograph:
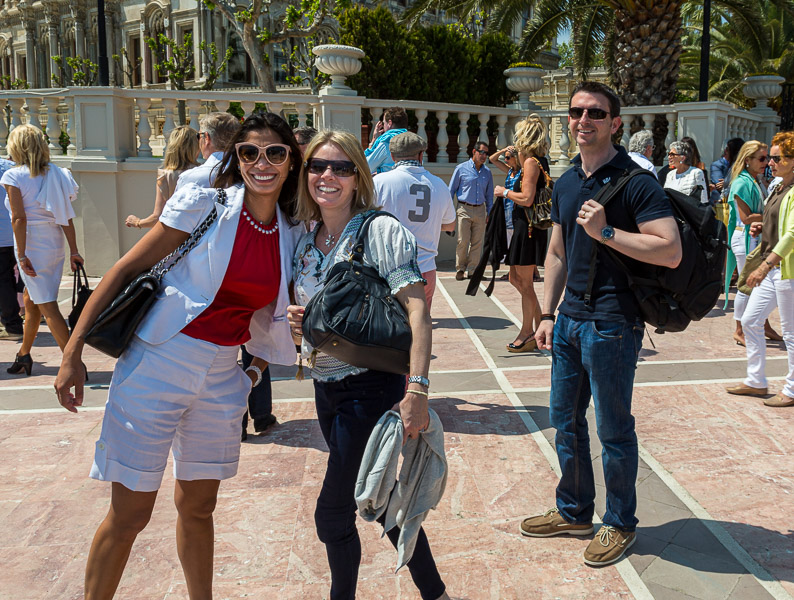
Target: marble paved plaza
[715,484]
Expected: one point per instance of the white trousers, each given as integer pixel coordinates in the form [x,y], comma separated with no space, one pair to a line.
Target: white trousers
[737,247]
[184,395]
[772,292]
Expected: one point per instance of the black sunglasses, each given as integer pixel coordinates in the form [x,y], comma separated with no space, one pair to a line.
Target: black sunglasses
[777,157]
[595,114]
[340,168]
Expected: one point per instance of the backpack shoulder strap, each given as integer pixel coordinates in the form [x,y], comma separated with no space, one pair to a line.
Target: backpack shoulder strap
[605,195]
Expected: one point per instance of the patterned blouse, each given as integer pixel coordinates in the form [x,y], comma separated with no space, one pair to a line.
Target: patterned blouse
[390,248]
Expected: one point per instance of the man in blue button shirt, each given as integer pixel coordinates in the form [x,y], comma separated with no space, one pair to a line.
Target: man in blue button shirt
[472,183]
[394,122]
[597,337]
[9,306]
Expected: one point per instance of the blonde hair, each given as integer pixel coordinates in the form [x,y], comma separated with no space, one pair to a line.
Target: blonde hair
[182,149]
[529,137]
[745,152]
[27,146]
[363,197]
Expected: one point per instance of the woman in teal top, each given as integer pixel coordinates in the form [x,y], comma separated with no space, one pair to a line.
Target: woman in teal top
[773,280]
[746,207]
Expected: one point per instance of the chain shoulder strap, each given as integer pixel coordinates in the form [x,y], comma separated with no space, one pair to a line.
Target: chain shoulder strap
[169,262]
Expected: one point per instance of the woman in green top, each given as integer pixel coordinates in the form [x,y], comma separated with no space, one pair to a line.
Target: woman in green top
[773,279]
[746,202]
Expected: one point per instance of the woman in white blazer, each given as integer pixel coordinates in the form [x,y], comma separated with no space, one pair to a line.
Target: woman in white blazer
[39,199]
[178,386]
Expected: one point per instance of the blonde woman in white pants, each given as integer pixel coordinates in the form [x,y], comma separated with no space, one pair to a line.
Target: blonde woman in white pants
[773,280]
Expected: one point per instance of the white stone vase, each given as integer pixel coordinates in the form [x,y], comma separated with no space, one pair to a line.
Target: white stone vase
[339,62]
[524,80]
[763,88]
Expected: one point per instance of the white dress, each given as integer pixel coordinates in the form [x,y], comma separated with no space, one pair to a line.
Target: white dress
[44,244]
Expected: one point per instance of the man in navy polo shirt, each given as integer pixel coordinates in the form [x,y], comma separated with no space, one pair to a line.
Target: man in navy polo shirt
[595,345]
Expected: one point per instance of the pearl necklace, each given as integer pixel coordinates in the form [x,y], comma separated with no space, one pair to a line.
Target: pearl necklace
[258,225]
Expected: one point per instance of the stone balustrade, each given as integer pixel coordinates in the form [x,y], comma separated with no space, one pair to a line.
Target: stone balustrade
[115,136]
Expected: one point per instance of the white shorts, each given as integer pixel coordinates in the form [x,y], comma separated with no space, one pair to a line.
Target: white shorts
[185,395]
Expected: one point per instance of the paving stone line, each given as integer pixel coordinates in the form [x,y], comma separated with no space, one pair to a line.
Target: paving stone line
[626,570]
[773,587]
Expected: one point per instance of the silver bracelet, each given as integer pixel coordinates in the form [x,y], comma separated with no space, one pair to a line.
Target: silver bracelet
[21,258]
[258,372]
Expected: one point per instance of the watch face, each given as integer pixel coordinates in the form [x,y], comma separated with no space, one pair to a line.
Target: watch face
[608,232]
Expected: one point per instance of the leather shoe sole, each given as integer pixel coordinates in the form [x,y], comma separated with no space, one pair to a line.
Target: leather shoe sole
[780,401]
[746,390]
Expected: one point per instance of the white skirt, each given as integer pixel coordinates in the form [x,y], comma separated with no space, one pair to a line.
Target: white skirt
[44,247]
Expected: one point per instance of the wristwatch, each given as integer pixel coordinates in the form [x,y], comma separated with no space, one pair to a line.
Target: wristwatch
[506,192]
[424,381]
[607,233]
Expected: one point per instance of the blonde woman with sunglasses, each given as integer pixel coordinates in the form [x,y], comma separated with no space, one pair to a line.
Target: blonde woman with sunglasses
[337,190]
[177,386]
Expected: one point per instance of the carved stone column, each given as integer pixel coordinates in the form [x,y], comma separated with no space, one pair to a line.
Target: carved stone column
[29,23]
[145,65]
[78,12]
[53,20]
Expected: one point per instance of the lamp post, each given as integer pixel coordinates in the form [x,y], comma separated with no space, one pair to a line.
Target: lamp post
[705,45]
[102,54]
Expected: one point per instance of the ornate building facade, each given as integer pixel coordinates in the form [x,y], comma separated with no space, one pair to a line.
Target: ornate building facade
[32,32]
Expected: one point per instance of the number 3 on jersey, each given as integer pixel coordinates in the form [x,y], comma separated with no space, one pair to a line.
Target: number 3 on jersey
[421,192]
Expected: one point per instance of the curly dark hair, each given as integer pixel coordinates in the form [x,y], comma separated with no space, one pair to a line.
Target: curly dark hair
[229,168]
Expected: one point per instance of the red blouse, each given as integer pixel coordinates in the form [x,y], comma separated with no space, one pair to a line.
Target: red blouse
[251,282]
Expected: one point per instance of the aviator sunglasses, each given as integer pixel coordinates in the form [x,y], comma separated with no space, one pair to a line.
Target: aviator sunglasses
[340,168]
[275,154]
[595,114]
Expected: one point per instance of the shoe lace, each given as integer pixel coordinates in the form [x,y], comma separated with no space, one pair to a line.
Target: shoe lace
[551,511]
[605,535]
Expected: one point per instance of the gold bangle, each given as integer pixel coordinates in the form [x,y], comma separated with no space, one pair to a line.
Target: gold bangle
[418,392]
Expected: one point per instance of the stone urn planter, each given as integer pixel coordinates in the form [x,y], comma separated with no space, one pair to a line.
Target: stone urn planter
[339,62]
[762,88]
[524,80]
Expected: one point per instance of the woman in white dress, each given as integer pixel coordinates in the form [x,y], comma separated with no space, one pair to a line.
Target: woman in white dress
[40,196]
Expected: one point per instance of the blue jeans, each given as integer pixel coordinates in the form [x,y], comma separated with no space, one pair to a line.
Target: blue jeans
[597,358]
[347,412]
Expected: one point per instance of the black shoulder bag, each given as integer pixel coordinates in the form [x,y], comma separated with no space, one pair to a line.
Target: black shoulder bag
[115,326]
[355,318]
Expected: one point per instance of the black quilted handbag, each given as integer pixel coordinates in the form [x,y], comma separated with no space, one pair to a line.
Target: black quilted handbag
[355,318]
[115,326]
[539,214]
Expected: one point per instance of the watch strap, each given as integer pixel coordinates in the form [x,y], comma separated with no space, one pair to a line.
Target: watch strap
[421,380]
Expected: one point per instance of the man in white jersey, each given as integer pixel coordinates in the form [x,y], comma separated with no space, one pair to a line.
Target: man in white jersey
[419,199]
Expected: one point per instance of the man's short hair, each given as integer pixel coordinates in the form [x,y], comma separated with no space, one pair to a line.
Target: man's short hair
[640,141]
[478,145]
[397,116]
[304,135]
[406,145]
[221,127]
[594,87]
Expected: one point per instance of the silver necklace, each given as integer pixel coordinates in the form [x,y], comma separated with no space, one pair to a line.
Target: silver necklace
[330,239]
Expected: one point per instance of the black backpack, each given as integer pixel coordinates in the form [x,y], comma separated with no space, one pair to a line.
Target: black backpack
[670,299]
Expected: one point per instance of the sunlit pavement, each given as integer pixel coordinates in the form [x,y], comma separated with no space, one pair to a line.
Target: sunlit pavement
[715,486]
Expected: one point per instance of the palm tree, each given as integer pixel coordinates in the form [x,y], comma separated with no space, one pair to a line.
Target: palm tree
[745,41]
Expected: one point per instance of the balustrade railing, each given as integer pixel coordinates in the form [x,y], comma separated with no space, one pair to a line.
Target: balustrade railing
[451,129]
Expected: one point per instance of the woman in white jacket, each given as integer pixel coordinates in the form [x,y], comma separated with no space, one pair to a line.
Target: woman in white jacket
[178,386]
[39,199]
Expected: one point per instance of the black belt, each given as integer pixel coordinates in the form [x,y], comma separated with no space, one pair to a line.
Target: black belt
[468,203]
